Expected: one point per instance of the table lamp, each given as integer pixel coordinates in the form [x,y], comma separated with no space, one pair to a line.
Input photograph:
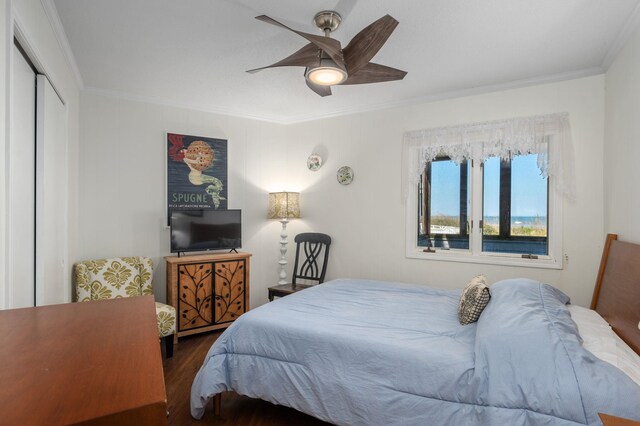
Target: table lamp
[284,206]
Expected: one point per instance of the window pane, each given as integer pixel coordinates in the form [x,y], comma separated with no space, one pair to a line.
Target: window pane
[528,197]
[514,206]
[445,197]
[444,205]
[491,197]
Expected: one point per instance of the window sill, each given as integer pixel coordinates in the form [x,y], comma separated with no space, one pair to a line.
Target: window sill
[544,262]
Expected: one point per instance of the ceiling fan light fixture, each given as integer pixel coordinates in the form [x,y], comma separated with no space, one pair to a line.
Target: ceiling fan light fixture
[327,64]
[326,74]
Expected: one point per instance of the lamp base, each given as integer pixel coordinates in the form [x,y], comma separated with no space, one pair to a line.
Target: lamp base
[283,251]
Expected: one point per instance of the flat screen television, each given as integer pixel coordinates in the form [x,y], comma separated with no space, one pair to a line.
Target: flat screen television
[197,230]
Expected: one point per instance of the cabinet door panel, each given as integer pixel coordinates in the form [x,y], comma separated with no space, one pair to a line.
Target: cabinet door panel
[194,295]
[229,290]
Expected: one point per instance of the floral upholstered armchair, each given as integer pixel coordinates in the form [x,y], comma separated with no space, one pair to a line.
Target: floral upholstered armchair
[123,277]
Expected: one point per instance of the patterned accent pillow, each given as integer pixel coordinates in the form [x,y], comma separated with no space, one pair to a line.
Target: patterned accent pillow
[473,300]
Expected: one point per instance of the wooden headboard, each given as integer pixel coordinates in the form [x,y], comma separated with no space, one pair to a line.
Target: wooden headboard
[616,296]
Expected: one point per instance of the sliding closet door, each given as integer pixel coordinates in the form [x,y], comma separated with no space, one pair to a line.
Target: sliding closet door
[22,156]
[52,284]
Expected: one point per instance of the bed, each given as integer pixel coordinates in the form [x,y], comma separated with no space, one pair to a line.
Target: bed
[369,352]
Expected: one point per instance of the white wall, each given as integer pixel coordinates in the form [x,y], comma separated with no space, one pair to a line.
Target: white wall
[622,143]
[32,19]
[4,155]
[366,218]
[122,184]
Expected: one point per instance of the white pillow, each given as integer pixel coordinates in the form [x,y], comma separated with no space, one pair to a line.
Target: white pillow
[599,339]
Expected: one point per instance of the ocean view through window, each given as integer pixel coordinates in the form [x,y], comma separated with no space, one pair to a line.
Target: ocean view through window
[489,192]
[515,201]
[514,206]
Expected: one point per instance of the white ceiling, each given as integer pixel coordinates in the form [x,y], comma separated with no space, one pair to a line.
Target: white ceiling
[194,53]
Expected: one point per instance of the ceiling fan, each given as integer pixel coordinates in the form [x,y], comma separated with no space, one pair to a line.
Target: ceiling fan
[327,64]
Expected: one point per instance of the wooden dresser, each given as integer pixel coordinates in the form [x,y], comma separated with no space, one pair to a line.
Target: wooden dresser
[89,363]
[208,291]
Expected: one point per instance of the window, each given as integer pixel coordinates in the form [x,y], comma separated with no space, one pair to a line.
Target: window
[508,224]
[444,205]
[489,192]
[515,200]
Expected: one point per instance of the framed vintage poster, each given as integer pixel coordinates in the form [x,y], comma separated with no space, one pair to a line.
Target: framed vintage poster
[196,173]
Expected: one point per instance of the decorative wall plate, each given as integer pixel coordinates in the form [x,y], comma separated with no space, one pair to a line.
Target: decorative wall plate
[314,162]
[344,175]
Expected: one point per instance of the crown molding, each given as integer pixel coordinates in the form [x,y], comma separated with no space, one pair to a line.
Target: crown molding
[54,19]
[516,84]
[628,29]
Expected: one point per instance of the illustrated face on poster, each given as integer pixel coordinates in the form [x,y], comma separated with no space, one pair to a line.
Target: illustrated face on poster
[196,172]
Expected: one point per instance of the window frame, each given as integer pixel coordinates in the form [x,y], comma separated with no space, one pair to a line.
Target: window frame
[553,260]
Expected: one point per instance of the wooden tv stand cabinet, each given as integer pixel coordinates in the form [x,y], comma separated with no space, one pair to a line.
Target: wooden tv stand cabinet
[209,291]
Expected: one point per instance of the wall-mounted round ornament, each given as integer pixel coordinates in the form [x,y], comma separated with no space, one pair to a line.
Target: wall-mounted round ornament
[344,175]
[314,162]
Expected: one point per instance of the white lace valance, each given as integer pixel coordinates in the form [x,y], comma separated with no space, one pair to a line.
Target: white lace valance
[539,134]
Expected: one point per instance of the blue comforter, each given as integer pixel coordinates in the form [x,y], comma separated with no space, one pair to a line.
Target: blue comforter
[357,352]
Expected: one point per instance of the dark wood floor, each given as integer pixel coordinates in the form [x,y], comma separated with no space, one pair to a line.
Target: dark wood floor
[179,372]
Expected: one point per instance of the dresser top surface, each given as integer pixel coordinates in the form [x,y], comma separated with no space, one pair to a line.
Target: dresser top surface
[207,257]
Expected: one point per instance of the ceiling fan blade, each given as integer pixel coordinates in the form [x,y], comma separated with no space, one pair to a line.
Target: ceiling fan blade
[375,73]
[320,90]
[364,46]
[329,45]
[308,56]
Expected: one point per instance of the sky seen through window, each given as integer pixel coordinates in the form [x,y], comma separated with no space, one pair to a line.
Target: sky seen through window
[528,188]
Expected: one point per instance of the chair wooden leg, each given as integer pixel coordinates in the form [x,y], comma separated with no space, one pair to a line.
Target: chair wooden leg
[168,345]
[217,402]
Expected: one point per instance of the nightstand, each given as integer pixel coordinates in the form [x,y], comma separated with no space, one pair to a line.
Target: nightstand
[285,289]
